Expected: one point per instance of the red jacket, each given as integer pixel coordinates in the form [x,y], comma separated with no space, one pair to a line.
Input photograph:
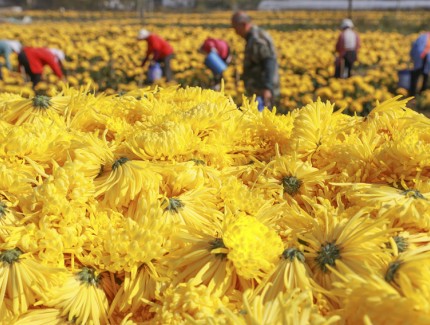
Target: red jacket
[38,57]
[219,45]
[158,47]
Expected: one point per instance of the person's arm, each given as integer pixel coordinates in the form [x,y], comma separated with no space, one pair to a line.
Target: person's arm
[339,44]
[148,54]
[52,62]
[144,60]
[63,70]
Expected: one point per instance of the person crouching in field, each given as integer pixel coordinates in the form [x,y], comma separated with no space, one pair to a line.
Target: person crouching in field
[7,47]
[222,50]
[420,55]
[159,50]
[347,46]
[33,59]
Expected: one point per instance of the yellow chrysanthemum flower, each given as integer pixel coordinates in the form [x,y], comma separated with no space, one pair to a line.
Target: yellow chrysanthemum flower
[201,259]
[295,307]
[91,152]
[356,242]
[405,156]
[80,299]
[23,280]
[47,245]
[124,181]
[42,316]
[252,247]
[164,141]
[63,196]
[237,197]
[409,273]
[365,298]
[407,240]
[29,110]
[403,207]
[135,290]
[290,274]
[354,157]
[188,303]
[313,125]
[123,244]
[390,116]
[195,208]
[41,142]
[207,116]
[292,179]
[17,177]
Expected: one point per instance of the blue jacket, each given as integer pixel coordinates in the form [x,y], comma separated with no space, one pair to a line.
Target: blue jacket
[417,49]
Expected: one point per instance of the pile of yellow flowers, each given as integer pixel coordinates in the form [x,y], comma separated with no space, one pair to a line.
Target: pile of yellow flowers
[104,51]
[174,205]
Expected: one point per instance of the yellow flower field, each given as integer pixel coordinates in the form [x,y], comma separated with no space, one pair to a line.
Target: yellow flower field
[165,204]
[103,51]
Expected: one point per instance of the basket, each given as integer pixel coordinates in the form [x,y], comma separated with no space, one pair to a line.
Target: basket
[215,63]
[404,79]
[154,72]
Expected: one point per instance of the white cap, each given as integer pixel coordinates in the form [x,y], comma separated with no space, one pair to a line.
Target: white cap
[346,23]
[15,46]
[58,54]
[143,34]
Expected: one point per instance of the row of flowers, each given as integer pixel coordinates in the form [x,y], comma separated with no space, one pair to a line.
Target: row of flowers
[107,55]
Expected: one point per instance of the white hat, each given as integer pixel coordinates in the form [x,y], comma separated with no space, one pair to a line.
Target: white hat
[15,46]
[346,23]
[58,54]
[143,34]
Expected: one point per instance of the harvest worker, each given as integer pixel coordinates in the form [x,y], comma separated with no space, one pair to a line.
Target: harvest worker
[347,46]
[260,66]
[160,51]
[7,47]
[221,48]
[33,59]
[420,54]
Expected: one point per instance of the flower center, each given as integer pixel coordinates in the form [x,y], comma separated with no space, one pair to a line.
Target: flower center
[174,204]
[10,256]
[391,271]
[413,193]
[401,243]
[3,209]
[215,244]
[291,185]
[119,162]
[88,275]
[198,161]
[292,253]
[328,254]
[41,102]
